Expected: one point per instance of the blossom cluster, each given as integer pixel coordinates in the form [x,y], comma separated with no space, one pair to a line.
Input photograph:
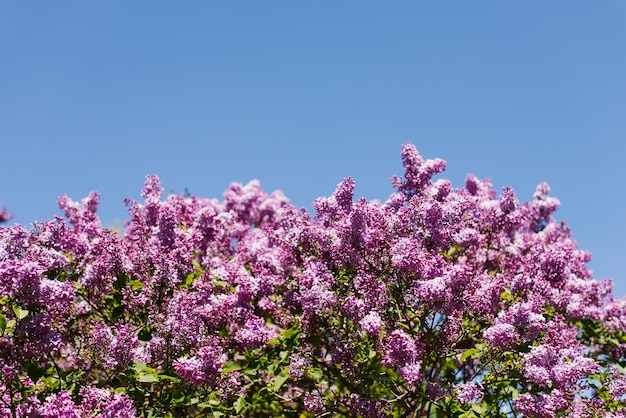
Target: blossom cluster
[4,215]
[436,302]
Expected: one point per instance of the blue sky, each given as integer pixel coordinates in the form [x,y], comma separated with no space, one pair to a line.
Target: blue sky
[95,95]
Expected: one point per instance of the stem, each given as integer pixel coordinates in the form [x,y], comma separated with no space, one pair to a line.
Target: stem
[58,370]
[13,413]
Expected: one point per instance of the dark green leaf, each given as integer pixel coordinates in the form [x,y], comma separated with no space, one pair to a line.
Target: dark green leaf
[239,404]
[281,379]
[231,367]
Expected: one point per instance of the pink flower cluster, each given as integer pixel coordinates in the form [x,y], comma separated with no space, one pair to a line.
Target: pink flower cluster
[4,215]
[437,301]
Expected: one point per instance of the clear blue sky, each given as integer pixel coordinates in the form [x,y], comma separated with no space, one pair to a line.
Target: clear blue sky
[95,95]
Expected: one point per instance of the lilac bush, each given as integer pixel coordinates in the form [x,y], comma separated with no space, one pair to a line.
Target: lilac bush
[438,302]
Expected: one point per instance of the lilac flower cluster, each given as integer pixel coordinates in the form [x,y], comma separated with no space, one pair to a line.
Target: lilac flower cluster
[4,215]
[436,302]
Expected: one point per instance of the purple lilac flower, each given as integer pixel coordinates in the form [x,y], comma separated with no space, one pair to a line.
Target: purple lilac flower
[60,405]
[402,351]
[617,386]
[316,295]
[371,323]
[254,333]
[32,408]
[418,173]
[501,335]
[181,324]
[525,317]
[432,289]
[60,296]
[37,338]
[116,347]
[469,392]
[313,402]
[191,369]
[340,202]
[204,366]
[4,215]
[361,406]
[118,406]
[103,403]
[541,405]
[562,367]
[411,372]
[508,201]
[434,391]
[298,365]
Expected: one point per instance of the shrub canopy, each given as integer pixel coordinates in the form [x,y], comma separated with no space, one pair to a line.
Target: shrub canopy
[439,302]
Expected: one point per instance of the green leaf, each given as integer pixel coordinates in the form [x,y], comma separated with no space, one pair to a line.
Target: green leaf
[19,312]
[316,374]
[219,283]
[147,378]
[468,353]
[272,367]
[281,379]
[168,377]
[291,335]
[403,325]
[479,409]
[239,404]
[10,325]
[514,392]
[145,373]
[451,251]
[3,324]
[231,367]
[139,366]
[34,370]
[136,284]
